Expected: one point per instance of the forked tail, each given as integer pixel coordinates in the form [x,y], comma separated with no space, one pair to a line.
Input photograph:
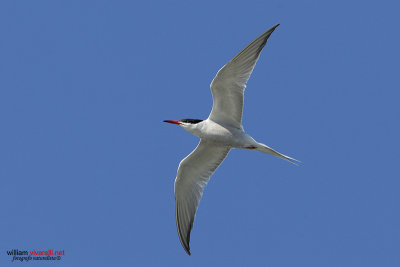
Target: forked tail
[267,149]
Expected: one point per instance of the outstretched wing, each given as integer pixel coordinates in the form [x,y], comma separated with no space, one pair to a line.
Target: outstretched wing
[228,86]
[193,174]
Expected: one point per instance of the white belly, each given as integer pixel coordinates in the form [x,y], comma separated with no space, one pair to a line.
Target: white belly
[225,135]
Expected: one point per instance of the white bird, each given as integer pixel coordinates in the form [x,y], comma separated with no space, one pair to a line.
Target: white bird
[220,132]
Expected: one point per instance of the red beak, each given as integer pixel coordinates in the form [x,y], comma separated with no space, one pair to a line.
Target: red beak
[174,122]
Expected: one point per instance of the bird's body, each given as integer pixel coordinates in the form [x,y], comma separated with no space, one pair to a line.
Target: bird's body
[222,134]
[218,134]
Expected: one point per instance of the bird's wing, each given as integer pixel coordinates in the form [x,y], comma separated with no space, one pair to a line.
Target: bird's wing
[228,86]
[193,174]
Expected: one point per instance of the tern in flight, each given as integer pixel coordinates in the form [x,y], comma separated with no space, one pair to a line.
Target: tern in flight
[219,133]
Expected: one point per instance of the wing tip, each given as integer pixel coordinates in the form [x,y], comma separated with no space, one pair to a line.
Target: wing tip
[188,251]
[273,28]
[185,242]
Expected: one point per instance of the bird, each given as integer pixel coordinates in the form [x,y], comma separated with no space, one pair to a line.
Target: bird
[219,133]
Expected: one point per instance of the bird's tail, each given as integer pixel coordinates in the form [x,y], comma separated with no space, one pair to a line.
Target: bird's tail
[266,149]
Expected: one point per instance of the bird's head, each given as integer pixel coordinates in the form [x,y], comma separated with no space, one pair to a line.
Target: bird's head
[190,125]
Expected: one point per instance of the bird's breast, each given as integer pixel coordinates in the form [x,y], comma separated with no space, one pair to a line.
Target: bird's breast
[222,134]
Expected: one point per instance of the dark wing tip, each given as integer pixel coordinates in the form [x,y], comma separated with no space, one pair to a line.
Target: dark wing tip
[188,251]
[184,241]
[273,28]
[187,246]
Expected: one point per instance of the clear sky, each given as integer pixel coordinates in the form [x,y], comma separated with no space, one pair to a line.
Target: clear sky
[88,167]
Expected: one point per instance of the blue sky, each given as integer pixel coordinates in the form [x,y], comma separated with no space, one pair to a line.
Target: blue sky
[88,167]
